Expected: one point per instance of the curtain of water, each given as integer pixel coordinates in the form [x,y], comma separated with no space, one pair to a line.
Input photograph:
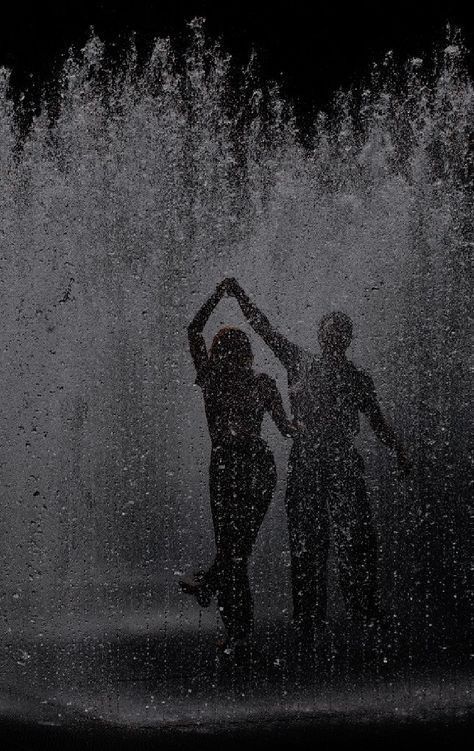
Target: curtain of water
[117,220]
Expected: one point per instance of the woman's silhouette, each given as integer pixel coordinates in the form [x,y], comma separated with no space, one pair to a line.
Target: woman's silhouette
[242,473]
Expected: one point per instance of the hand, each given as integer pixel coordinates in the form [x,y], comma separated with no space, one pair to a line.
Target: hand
[297,427]
[222,288]
[233,287]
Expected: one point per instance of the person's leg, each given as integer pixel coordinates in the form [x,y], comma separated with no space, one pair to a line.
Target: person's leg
[366,556]
[309,543]
[252,482]
[262,477]
[257,480]
[234,598]
[203,584]
[354,538]
[220,576]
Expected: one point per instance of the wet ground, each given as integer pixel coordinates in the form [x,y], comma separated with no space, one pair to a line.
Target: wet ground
[120,682]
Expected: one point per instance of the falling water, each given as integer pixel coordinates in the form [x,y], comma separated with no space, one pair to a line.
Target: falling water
[118,217]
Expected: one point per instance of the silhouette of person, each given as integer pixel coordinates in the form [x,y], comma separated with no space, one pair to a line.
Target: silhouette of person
[326,491]
[242,472]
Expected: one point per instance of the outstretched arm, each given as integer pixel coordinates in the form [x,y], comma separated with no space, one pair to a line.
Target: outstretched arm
[275,408]
[382,429]
[285,350]
[197,344]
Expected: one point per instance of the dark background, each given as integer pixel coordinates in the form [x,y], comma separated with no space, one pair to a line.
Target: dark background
[311,48]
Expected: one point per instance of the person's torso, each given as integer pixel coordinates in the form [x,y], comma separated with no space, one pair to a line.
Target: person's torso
[234,407]
[326,399]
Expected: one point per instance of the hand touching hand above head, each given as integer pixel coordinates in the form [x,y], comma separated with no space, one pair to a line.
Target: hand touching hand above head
[232,286]
[222,288]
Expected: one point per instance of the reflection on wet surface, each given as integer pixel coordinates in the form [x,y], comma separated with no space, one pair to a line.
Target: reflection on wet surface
[136,674]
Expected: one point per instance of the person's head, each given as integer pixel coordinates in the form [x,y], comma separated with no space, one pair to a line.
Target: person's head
[231,350]
[335,333]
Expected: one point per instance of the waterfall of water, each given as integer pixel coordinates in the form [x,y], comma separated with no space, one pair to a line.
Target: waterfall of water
[117,219]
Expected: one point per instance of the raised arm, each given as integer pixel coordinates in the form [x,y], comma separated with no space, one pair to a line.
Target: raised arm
[382,429]
[285,350]
[197,345]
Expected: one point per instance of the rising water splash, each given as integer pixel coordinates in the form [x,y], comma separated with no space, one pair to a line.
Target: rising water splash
[118,218]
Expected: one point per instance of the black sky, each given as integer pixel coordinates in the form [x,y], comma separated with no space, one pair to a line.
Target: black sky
[312,48]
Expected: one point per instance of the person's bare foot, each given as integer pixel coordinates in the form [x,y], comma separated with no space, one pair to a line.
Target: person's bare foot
[195,585]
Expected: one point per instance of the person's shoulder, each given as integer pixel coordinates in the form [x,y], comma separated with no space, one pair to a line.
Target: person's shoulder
[308,360]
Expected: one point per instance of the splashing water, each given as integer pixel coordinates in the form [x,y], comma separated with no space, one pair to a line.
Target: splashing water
[117,220]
